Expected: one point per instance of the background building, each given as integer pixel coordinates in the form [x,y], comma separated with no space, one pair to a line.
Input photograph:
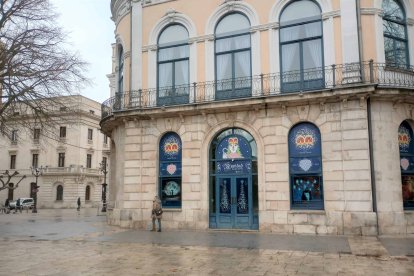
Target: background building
[70,155]
[276,115]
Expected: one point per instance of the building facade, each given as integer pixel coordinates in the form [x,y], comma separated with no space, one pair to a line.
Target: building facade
[287,116]
[68,157]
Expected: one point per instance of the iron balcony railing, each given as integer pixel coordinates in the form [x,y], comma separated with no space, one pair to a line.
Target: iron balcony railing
[264,85]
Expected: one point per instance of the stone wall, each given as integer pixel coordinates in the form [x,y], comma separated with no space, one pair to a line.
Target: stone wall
[346,168]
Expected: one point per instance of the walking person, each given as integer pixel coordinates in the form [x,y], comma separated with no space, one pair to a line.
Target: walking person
[156,213]
[79,203]
[7,206]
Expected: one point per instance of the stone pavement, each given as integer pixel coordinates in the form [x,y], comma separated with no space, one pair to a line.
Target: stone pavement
[65,242]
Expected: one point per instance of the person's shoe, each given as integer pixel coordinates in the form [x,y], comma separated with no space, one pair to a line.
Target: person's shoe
[159,230]
[153,230]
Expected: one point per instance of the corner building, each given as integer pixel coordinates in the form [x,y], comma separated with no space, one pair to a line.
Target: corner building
[273,115]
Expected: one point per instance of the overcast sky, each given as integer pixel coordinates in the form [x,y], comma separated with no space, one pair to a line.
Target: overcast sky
[91,32]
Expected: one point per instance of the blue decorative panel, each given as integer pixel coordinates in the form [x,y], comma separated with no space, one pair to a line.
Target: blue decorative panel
[171,192]
[304,139]
[225,196]
[234,167]
[407,164]
[170,169]
[405,138]
[306,189]
[242,196]
[305,165]
[233,147]
[170,147]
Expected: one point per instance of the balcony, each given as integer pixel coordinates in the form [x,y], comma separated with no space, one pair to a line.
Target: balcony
[71,170]
[264,85]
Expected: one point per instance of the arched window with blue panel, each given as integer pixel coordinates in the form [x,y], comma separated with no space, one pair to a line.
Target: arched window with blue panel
[170,170]
[406,144]
[305,167]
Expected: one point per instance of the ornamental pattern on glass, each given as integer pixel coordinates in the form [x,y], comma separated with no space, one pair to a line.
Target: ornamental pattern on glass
[404,138]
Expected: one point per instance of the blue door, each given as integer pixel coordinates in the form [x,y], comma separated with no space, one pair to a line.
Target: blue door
[234,205]
[234,202]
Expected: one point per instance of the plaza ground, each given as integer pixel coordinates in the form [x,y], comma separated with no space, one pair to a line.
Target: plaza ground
[67,242]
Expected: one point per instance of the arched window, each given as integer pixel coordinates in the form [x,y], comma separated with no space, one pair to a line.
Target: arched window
[395,34]
[233,57]
[121,70]
[88,193]
[405,139]
[59,192]
[170,170]
[305,167]
[173,66]
[301,46]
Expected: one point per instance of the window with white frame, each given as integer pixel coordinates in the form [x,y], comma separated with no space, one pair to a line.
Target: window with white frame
[173,66]
[301,47]
[395,34]
[233,57]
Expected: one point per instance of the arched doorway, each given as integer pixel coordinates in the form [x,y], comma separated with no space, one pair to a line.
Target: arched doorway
[233,181]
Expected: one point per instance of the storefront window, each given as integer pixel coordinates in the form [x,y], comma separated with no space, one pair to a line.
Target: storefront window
[305,167]
[405,139]
[170,171]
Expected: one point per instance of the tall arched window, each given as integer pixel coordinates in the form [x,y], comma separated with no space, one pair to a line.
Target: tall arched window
[406,143]
[173,66]
[88,193]
[301,46]
[170,170]
[59,192]
[395,34]
[305,167]
[233,57]
[121,70]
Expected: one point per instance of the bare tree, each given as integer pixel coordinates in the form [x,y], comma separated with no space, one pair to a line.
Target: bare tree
[37,66]
[5,183]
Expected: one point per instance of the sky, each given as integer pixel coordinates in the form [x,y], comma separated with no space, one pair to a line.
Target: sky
[91,32]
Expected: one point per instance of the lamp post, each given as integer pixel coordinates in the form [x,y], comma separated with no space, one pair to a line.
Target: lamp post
[104,170]
[36,172]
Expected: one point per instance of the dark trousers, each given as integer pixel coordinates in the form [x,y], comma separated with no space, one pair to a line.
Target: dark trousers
[153,224]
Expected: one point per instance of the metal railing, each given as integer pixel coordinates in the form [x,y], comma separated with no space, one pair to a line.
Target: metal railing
[264,85]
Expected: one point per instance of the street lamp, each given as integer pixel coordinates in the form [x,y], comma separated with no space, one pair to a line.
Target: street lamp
[36,172]
[103,168]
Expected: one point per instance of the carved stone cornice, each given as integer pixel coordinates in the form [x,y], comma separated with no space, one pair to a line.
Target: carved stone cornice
[120,8]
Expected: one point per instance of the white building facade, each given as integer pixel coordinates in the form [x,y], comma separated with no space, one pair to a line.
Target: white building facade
[69,156]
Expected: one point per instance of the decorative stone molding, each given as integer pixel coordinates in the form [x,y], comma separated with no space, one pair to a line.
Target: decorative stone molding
[146,3]
[120,8]
[277,8]
[371,11]
[231,6]
[331,14]
[172,16]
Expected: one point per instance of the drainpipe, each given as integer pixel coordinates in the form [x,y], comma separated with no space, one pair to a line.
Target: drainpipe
[371,160]
[360,41]
[130,49]
[371,147]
